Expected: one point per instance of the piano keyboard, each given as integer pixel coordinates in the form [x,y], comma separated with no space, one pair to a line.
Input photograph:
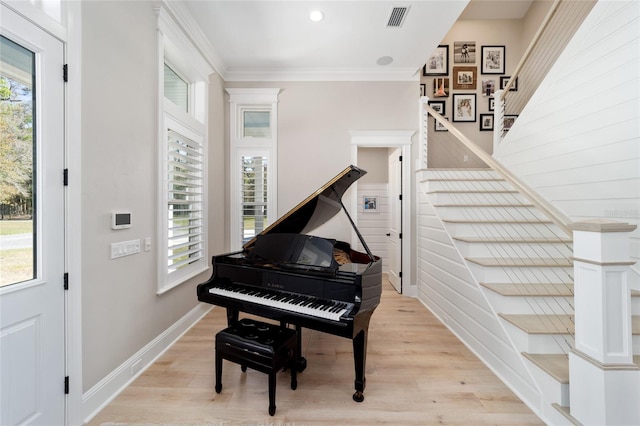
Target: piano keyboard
[308,305]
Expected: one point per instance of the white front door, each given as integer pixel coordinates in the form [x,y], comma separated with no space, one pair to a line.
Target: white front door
[32,339]
[395,219]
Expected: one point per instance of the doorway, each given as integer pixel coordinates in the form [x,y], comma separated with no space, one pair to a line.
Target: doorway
[397,242]
[32,310]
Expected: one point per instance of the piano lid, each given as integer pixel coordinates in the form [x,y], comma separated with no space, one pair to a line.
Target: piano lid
[317,209]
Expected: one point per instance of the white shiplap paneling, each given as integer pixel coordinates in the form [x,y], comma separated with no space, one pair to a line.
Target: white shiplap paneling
[446,288]
[577,142]
[374,225]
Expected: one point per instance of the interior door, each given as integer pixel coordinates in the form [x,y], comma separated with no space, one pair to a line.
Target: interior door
[395,219]
[32,340]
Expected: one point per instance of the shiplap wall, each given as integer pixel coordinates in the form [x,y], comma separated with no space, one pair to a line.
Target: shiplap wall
[374,225]
[577,141]
[446,288]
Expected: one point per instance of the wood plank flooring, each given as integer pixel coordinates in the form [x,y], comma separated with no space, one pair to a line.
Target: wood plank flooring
[418,373]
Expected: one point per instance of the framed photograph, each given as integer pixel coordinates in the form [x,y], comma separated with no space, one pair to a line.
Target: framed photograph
[438,62]
[508,121]
[438,106]
[504,80]
[488,87]
[464,52]
[492,104]
[423,89]
[486,122]
[440,87]
[369,204]
[464,77]
[439,127]
[464,107]
[492,60]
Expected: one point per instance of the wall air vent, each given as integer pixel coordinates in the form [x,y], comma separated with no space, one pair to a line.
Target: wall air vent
[396,19]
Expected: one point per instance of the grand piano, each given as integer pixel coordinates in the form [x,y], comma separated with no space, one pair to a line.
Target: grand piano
[288,275]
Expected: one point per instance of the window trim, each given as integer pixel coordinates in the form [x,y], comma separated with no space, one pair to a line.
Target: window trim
[175,49]
[251,99]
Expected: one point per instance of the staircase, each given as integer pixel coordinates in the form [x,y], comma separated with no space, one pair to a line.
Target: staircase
[522,264]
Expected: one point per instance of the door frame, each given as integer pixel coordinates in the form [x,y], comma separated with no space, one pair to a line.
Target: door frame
[68,29]
[391,139]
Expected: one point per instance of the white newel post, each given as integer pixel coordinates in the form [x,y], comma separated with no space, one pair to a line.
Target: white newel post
[423,119]
[498,119]
[604,382]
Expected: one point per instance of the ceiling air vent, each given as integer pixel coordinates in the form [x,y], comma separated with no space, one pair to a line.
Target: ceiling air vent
[397,16]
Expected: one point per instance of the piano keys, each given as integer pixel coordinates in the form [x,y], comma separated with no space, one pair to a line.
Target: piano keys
[291,276]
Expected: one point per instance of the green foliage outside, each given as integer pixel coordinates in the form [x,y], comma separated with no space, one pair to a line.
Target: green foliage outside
[16,149]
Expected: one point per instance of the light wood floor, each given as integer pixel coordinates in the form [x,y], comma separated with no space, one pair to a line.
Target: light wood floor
[417,373]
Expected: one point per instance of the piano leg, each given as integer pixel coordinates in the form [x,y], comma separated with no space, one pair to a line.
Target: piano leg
[360,359]
[232,316]
[301,362]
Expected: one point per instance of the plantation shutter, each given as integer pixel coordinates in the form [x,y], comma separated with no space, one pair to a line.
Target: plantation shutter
[185,201]
[254,196]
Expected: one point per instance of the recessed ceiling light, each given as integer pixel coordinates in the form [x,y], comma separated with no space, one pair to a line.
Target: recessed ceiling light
[316,16]
[384,60]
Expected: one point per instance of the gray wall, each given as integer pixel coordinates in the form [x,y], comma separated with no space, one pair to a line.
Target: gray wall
[120,309]
[314,121]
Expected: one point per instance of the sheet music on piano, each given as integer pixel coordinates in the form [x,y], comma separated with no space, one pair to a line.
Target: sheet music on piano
[291,276]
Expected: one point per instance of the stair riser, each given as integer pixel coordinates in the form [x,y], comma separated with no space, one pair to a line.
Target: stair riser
[506,250]
[506,230]
[552,389]
[434,185]
[529,305]
[477,198]
[459,174]
[539,343]
[528,274]
[495,214]
[549,343]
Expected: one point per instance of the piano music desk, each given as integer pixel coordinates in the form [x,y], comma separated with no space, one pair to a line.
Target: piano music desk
[260,346]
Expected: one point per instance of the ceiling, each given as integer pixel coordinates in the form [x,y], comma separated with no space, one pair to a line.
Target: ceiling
[263,40]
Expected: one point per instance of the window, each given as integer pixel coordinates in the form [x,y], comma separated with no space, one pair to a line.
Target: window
[183,74]
[253,115]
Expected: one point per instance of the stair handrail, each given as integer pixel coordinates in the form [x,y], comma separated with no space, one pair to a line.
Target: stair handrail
[553,213]
[532,45]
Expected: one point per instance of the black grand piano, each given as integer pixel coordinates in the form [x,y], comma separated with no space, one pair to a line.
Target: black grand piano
[290,276]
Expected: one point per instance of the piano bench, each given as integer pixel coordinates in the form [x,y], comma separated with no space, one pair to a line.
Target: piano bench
[267,348]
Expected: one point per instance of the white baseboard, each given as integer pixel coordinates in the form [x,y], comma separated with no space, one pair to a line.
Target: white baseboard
[96,398]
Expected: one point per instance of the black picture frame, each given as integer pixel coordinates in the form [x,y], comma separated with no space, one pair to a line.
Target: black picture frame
[439,106]
[423,89]
[504,80]
[464,107]
[438,62]
[486,122]
[492,103]
[437,127]
[508,121]
[493,60]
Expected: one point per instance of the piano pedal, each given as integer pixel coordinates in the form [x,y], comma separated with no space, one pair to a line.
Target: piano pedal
[358,396]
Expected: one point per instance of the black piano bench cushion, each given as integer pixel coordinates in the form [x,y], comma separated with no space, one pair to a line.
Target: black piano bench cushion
[264,347]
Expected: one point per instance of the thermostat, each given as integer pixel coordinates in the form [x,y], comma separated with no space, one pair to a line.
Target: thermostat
[120,220]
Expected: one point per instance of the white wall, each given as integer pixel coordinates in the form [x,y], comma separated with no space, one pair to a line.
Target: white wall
[121,312]
[577,142]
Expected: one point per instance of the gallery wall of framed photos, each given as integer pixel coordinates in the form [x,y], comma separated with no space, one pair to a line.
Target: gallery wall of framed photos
[462,74]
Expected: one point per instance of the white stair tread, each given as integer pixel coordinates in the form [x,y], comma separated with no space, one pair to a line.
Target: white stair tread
[514,239]
[553,324]
[521,261]
[557,365]
[485,205]
[498,221]
[531,289]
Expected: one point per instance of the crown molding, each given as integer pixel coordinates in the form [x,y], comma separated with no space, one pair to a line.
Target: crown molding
[323,74]
[190,27]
